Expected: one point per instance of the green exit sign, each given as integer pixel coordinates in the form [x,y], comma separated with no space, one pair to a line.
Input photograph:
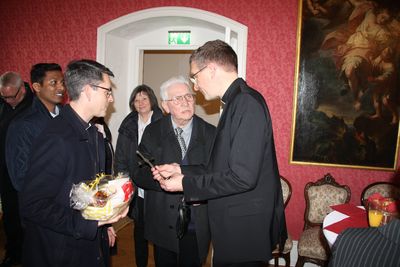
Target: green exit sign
[179,38]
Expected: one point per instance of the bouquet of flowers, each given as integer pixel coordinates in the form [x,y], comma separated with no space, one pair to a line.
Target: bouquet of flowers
[381,210]
[102,198]
[386,203]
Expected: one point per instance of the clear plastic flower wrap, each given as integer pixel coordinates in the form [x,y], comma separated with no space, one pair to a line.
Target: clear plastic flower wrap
[102,198]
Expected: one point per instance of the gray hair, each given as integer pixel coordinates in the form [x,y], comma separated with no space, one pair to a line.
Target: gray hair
[172,81]
[12,79]
[80,73]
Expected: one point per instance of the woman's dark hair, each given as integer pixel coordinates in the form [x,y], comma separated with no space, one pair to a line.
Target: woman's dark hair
[148,91]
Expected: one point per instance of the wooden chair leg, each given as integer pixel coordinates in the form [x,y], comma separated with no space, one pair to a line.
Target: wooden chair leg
[276,261]
[300,262]
[286,256]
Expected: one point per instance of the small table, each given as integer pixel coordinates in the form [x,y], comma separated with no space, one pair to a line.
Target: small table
[336,216]
[329,219]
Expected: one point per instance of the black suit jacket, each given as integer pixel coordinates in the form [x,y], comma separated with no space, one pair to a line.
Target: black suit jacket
[241,181]
[161,208]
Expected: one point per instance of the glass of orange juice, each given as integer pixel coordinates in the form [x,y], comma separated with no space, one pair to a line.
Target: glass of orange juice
[375,214]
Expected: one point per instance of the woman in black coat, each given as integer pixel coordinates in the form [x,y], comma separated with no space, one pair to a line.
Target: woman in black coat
[145,110]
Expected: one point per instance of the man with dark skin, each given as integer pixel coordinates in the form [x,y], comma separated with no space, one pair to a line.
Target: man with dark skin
[48,83]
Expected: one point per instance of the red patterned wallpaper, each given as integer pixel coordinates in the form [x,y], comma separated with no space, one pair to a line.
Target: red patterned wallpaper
[46,30]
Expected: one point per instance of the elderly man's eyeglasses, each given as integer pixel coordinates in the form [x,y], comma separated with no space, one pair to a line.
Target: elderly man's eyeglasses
[109,90]
[11,97]
[179,99]
[193,78]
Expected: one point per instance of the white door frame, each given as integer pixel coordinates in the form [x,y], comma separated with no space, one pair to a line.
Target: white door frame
[121,42]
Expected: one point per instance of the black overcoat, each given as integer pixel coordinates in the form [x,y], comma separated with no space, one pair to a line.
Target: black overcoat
[161,208]
[65,153]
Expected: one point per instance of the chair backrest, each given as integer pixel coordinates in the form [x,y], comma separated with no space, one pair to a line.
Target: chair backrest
[386,189]
[286,190]
[320,195]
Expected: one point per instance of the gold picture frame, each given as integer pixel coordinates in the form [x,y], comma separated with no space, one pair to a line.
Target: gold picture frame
[347,84]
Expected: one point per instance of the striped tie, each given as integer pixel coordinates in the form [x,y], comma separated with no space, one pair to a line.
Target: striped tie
[181,141]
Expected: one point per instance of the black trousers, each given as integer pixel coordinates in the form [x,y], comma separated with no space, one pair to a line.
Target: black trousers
[141,244]
[11,217]
[188,255]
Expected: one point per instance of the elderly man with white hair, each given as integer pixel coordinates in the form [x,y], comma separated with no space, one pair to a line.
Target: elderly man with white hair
[178,230]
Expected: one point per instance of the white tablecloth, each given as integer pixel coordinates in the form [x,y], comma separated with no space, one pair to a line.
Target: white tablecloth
[331,218]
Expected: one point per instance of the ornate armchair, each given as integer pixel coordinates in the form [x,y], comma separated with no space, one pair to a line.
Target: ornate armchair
[285,253]
[386,189]
[319,196]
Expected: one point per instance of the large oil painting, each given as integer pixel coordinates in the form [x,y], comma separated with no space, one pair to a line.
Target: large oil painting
[347,84]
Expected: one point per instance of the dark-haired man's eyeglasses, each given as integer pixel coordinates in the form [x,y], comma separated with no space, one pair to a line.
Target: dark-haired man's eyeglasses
[11,97]
[109,90]
[193,78]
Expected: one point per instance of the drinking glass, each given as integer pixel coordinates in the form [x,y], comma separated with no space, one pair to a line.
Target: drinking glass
[375,214]
[388,214]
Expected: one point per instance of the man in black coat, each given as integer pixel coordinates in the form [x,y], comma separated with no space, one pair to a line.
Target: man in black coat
[48,83]
[15,98]
[68,151]
[161,143]
[241,180]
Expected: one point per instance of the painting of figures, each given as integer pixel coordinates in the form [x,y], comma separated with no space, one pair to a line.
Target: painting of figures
[347,84]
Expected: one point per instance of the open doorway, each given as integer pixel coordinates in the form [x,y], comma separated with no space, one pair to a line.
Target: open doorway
[160,65]
[121,44]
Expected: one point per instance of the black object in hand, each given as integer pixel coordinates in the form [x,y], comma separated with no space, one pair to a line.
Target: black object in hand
[183,220]
[146,160]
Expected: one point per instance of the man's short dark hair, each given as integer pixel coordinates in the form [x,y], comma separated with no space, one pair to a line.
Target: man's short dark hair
[82,72]
[38,71]
[148,91]
[215,51]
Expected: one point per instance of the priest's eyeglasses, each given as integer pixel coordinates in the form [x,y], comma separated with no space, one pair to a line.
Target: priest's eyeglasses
[193,77]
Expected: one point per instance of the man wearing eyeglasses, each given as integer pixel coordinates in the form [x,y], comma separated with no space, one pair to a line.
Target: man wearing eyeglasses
[179,239]
[241,180]
[68,151]
[15,98]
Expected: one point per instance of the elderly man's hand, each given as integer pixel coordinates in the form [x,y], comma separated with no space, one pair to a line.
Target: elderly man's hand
[173,184]
[163,172]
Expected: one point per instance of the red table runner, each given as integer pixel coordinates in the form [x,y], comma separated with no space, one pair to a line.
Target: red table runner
[357,218]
